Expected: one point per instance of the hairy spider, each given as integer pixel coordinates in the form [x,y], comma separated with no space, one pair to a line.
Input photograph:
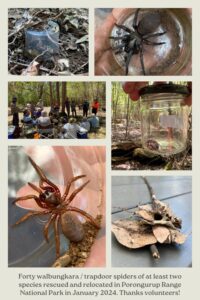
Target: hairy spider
[58,207]
[133,41]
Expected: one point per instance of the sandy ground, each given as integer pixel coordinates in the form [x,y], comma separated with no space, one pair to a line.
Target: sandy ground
[101,132]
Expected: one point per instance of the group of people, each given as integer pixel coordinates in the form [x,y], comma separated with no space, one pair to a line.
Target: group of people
[85,106]
[74,130]
[67,126]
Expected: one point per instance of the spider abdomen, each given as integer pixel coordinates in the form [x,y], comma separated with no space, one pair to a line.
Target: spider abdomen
[72,227]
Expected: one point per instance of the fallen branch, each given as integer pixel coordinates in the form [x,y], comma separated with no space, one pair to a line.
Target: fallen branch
[40,68]
[153,248]
[81,67]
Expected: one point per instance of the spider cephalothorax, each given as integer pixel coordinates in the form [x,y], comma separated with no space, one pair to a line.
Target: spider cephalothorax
[133,40]
[58,207]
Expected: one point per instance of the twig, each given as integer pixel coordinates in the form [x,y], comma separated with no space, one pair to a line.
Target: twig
[81,67]
[28,22]
[153,248]
[32,62]
[152,194]
[57,16]
[13,40]
[41,68]
[154,251]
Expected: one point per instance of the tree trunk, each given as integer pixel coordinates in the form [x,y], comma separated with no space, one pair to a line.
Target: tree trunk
[50,93]
[64,94]
[127,116]
[58,92]
[41,88]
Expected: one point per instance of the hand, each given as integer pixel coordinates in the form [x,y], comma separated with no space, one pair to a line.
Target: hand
[103,51]
[103,54]
[133,88]
[88,160]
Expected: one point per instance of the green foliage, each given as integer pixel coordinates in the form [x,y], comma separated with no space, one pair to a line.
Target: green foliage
[120,103]
[27,92]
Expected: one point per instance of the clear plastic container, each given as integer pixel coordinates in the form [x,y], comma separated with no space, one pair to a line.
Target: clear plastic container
[164,118]
[42,40]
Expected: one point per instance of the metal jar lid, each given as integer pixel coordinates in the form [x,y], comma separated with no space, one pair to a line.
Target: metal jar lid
[165,88]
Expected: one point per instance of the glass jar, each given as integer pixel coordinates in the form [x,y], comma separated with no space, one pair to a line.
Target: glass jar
[173,57]
[43,40]
[164,118]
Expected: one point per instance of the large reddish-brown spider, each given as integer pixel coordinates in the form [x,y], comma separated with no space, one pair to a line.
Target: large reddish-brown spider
[58,207]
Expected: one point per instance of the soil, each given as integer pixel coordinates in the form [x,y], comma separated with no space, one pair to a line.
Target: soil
[72,58]
[100,134]
[79,252]
[128,154]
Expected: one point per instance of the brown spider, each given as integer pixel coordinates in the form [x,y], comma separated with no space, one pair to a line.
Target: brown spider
[58,207]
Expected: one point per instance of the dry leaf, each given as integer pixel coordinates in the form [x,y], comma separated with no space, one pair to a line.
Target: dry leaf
[161,233]
[178,237]
[63,64]
[145,212]
[132,234]
[32,69]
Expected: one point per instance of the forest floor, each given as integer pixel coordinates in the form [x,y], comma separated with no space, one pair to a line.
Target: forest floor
[67,56]
[100,134]
[128,154]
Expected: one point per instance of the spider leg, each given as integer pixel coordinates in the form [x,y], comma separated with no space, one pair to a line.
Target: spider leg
[57,238]
[149,35]
[28,197]
[42,176]
[34,187]
[69,185]
[119,37]
[128,59]
[75,192]
[142,59]
[135,20]
[31,214]
[152,43]
[46,227]
[124,28]
[84,214]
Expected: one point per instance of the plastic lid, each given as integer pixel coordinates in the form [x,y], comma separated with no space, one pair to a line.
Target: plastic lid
[164,88]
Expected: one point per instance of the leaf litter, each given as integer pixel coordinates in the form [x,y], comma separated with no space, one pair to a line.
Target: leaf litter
[72,56]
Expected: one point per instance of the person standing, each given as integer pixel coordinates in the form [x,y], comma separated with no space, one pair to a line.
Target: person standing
[67,106]
[73,108]
[32,109]
[85,108]
[95,106]
[15,112]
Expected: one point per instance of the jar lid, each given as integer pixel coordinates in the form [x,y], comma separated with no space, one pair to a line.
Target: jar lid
[164,88]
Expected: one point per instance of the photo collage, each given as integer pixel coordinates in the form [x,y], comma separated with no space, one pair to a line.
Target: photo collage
[100,136]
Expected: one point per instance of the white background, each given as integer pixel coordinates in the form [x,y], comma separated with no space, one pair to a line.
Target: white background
[9,275]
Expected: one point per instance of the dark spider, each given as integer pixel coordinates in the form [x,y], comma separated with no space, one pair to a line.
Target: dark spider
[58,207]
[133,41]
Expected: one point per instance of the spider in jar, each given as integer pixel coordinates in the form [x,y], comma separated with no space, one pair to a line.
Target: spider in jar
[58,207]
[152,145]
[132,41]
